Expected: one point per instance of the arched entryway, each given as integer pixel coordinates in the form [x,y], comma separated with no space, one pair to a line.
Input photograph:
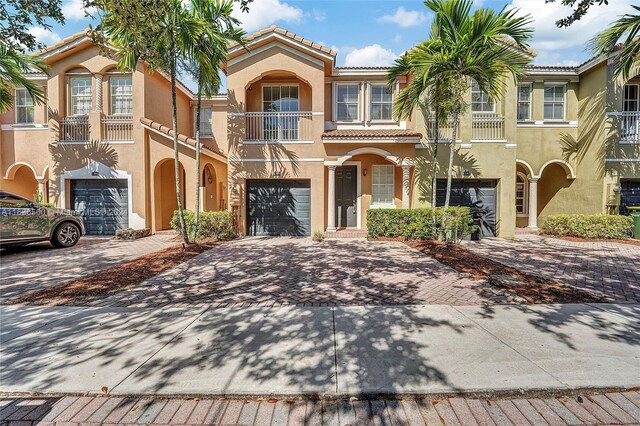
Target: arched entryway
[208,190]
[165,200]
[21,179]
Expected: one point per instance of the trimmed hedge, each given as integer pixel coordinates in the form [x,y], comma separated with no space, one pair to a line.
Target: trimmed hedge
[218,225]
[420,224]
[590,226]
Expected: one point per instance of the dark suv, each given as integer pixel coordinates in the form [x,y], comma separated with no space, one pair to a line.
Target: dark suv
[23,221]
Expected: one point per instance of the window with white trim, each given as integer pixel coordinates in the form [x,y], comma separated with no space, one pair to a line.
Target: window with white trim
[524,102]
[522,207]
[80,95]
[480,100]
[381,103]
[121,95]
[382,185]
[631,100]
[554,101]
[24,107]
[280,99]
[347,96]
[206,128]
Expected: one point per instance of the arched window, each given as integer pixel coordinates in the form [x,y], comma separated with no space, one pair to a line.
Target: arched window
[522,195]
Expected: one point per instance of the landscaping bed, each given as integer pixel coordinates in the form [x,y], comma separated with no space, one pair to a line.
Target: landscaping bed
[112,280]
[530,288]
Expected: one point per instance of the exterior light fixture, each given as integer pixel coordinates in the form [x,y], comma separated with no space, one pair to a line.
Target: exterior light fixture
[466,173]
[364,172]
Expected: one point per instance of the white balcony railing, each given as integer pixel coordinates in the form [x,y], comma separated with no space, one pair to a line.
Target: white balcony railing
[487,127]
[117,128]
[278,126]
[630,127]
[445,132]
[74,129]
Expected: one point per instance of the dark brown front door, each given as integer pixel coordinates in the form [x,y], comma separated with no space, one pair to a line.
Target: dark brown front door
[346,197]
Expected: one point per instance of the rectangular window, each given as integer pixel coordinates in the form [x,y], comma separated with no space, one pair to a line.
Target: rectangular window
[280,99]
[80,96]
[554,101]
[382,186]
[631,102]
[381,106]
[521,195]
[121,95]
[524,102]
[347,102]
[206,129]
[24,107]
[480,100]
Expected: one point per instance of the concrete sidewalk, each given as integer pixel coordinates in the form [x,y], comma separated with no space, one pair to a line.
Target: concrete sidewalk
[326,351]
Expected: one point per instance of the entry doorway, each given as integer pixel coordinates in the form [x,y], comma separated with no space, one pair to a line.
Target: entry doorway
[346,197]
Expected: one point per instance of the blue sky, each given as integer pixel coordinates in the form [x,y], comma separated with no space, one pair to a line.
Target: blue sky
[366,32]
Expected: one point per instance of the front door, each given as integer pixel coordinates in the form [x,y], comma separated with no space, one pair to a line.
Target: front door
[346,197]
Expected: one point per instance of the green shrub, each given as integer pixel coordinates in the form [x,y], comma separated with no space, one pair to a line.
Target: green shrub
[420,224]
[218,225]
[588,226]
[318,236]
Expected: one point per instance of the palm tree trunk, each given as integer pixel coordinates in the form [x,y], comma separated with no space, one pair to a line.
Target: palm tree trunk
[434,175]
[452,152]
[176,153]
[198,109]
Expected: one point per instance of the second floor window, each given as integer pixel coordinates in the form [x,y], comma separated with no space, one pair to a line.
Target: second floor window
[382,185]
[24,107]
[631,102]
[480,100]
[347,102]
[206,129]
[554,101]
[80,96]
[524,102]
[381,108]
[121,95]
[280,98]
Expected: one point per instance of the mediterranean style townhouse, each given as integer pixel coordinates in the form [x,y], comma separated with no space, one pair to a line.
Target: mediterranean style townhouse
[298,145]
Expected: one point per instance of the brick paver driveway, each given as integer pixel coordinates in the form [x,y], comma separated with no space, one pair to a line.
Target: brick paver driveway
[607,268]
[37,266]
[290,271]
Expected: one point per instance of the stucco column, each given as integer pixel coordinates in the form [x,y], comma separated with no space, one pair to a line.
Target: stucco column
[99,102]
[42,189]
[331,220]
[533,203]
[406,173]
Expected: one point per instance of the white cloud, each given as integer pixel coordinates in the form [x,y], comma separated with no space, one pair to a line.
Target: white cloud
[319,15]
[44,36]
[73,10]
[405,18]
[373,56]
[263,13]
[564,45]
[397,38]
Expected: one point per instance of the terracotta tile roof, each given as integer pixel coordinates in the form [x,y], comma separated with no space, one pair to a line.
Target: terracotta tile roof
[371,134]
[289,34]
[183,138]
[64,41]
[364,68]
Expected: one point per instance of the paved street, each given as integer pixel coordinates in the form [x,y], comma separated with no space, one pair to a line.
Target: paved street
[318,350]
[38,266]
[607,268]
[584,409]
[298,271]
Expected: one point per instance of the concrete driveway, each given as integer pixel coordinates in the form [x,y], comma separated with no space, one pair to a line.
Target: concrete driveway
[298,271]
[37,266]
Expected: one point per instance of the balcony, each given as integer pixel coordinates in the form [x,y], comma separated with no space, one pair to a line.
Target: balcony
[277,127]
[487,127]
[445,132]
[117,128]
[630,127]
[74,129]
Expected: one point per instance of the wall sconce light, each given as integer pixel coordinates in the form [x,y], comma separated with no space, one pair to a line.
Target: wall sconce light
[364,172]
[235,188]
[466,173]
[208,175]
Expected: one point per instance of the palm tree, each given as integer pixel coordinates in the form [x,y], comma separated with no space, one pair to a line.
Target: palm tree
[627,27]
[158,35]
[486,47]
[13,65]
[210,51]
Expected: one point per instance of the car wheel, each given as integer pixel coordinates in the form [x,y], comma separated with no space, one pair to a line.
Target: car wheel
[66,234]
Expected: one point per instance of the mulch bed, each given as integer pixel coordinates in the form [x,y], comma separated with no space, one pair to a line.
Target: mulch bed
[584,240]
[531,288]
[112,280]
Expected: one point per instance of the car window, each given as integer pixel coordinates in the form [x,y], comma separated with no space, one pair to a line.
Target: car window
[7,201]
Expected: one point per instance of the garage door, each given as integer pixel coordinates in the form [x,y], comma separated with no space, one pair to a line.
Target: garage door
[278,207]
[479,195]
[104,204]
[629,195]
